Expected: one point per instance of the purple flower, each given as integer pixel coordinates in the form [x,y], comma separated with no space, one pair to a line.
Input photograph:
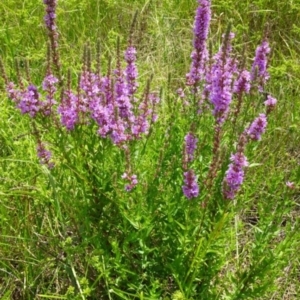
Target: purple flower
[234,175]
[123,101]
[131,72]
[180,93]
[49,86]
[270,103]
[29,101]
[68,110]
[44,155]
[97,99]
[220,85]
[132,181]
[242,84]
[190,146]
[49,82]
[257,128]
[13,93]
[145,115]
[50,14]
[190,187]
[141,125]
[90,84]
[50,23]
[102,113]
[124,104]
[199,54]
[118,134]
[259,66]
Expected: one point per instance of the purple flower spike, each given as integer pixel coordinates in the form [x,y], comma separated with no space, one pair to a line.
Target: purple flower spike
[234,175]
[29,102]
[242,84]
[49,86]
[49,82]
[259,67]
[220,84]
[270,103]
[132,181]
[13,93]
[191,187]
[68,110]
[131,72]
[50,22]
[257,128]
[50,14]
[190,146]
[44,155]
[199,54]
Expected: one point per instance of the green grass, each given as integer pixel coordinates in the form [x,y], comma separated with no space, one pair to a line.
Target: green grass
[74,233]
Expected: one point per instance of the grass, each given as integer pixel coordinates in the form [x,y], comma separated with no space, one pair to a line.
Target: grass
[74,233]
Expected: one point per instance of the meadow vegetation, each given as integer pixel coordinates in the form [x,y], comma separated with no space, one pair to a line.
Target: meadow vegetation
[155,191]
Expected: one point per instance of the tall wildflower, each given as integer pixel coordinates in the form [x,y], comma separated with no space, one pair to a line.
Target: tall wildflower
[50,14]
[101,107]
[122,105]
[257,127]
[242,83]
[50,22]
[122,94]
[199,54]
[190,187]
[241,86]
[234,175]
[48,85]
[30,101]
[196,74]
[131,72]
[220,87]
[190,146]
[259,67]
[68,110]
[145,115]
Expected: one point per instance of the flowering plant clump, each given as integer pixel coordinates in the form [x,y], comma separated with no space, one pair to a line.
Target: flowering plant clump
[222,81]
[105,204]
[111,100]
